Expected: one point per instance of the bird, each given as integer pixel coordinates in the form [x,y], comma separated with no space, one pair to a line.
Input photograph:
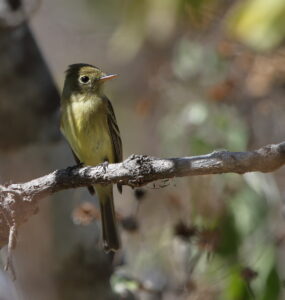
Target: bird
[89,124]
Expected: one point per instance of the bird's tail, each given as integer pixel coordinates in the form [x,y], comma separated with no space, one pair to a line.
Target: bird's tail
[111,240]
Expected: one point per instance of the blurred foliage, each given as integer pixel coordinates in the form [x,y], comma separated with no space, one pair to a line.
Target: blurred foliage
[259,23]
[230,254]
[204,86]
[191,88]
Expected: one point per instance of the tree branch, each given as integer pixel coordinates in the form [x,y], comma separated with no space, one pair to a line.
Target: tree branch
[19,201]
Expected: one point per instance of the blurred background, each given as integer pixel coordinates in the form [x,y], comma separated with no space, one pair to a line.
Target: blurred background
[195,76]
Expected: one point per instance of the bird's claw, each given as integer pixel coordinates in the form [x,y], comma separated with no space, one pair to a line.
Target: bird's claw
[77,166]
[104,165]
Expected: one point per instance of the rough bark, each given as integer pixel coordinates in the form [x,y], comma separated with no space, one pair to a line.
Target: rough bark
[19,201]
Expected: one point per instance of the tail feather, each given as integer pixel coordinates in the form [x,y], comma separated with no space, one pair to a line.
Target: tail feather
[111,240]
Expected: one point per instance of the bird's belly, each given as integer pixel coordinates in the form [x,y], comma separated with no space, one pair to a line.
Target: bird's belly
[87,132]
[93,146]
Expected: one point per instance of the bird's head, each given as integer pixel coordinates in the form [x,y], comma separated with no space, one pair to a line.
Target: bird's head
[85,78]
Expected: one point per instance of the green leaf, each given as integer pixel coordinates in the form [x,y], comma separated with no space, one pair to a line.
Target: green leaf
[230,239]
[236,288]
[272,287]
[259,23]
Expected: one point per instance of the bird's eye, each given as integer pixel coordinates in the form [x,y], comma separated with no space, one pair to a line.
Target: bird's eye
[84,79]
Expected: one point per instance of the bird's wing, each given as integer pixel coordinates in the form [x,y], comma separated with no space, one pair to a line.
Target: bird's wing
[115,136]
[115,133]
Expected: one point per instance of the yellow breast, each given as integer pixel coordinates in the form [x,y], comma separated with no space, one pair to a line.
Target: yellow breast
[85,126]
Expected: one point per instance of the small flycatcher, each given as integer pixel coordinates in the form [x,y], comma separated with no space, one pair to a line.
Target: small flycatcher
[89,124]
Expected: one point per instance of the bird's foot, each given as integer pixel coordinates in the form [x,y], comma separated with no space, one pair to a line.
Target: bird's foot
[104,165]
[77,166]
[80,165]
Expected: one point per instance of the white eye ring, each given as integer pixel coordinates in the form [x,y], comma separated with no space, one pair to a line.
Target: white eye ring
[84,79]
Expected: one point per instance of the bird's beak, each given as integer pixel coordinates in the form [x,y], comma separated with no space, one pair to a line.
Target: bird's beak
[108,77]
